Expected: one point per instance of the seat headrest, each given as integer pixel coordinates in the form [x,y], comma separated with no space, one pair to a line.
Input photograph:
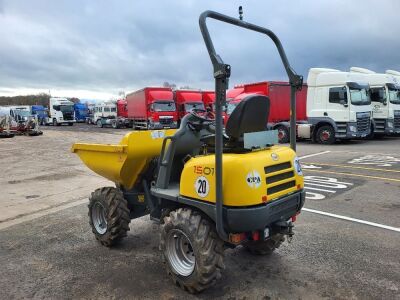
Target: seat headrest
[250,115]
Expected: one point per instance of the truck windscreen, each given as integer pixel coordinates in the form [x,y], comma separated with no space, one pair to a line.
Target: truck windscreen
[359,97]
[394,96]
[230,107]
[378,94]
[194,105]
[164,106]
[66,108]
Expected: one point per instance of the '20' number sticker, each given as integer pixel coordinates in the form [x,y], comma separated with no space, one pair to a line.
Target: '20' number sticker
[202,186]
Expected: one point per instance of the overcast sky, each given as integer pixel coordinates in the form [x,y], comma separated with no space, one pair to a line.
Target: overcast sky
[94,49]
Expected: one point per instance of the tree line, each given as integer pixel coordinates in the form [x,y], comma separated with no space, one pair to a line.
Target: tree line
[39,99]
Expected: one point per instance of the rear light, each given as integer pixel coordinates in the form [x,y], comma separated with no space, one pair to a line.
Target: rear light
[236,238]
[264,199]
[256,235]
[299,186]
[294,218]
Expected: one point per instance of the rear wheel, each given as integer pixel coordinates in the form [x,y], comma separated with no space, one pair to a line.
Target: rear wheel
[191,249]
[108,215]
[283,134]
[326,135]
[265,247]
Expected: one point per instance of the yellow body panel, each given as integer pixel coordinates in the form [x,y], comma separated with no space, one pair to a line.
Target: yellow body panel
[123,163]
[244,177]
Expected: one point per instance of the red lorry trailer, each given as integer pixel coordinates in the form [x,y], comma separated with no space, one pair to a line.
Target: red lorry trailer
[186,100]
[279,95]
[152,108]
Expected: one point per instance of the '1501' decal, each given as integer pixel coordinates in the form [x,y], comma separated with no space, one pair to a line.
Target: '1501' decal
[203,170]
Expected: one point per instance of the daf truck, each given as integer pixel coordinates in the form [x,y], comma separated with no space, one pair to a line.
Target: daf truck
[188,100]
[61,111]
[394,99]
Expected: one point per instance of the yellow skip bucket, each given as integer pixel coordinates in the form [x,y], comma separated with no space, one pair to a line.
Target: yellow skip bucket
[124,162]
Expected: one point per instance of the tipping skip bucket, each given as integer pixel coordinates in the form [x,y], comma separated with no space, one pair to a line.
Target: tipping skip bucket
[124,162]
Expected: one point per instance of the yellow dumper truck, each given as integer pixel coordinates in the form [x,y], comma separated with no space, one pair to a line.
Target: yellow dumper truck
[208,187]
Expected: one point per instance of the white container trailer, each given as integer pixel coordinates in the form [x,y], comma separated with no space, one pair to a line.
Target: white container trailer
[384,93]
[338,106]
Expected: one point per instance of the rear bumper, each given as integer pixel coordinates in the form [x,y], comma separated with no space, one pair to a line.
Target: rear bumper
[239,220]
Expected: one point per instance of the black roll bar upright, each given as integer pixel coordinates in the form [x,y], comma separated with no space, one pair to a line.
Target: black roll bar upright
[222,73]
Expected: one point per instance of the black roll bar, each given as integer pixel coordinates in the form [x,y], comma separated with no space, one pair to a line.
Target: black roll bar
[222,73]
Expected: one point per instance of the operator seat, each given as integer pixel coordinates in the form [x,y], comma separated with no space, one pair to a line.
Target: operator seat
[250,115]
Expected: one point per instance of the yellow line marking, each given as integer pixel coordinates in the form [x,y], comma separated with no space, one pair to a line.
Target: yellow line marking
[356,175]
[352,167]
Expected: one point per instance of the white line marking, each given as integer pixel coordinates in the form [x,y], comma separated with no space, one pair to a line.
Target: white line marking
[351,219]
[315,154]
[41,213]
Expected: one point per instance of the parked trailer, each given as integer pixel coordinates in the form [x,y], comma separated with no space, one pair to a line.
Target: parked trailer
[152,108]
[61,111]
[81,112]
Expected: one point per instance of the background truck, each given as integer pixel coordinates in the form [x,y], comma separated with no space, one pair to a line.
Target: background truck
[81,112]
[395,99]
[187,100]
[61,111]
[208,98]
[152,108]
[104,113]
[384,94]
[334,105]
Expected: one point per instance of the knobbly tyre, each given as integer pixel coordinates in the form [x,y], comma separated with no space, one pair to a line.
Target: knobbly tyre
[207,190]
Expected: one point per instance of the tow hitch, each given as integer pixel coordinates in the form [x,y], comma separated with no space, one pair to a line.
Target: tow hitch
[285,228]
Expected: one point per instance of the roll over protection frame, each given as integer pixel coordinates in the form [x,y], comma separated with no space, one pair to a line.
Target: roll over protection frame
[222,73]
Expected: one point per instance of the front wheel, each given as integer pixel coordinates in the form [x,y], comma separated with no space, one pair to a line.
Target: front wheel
[99,123]
[326,135]
[70,124]
[265,247]
[108,215]
[191,249]
[55,123]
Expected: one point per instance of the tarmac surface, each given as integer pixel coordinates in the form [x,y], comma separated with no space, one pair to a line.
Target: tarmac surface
[346,243]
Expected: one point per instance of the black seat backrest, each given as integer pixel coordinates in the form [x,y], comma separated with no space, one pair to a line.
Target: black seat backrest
[250,115]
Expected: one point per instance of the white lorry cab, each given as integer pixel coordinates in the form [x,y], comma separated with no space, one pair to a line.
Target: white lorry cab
[338,106]
[394,100]
[61,111]
[384,94]
[104,113]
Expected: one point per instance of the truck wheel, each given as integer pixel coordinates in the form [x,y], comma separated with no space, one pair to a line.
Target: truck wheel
[55,123]
[264,247]
[99,124]
[70,124]
[191,250]
[114,125]
[326,135]
[283,134]
[108,215]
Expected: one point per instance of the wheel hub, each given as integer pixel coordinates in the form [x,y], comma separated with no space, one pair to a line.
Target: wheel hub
[180,253]
[99,218]
[325,135]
